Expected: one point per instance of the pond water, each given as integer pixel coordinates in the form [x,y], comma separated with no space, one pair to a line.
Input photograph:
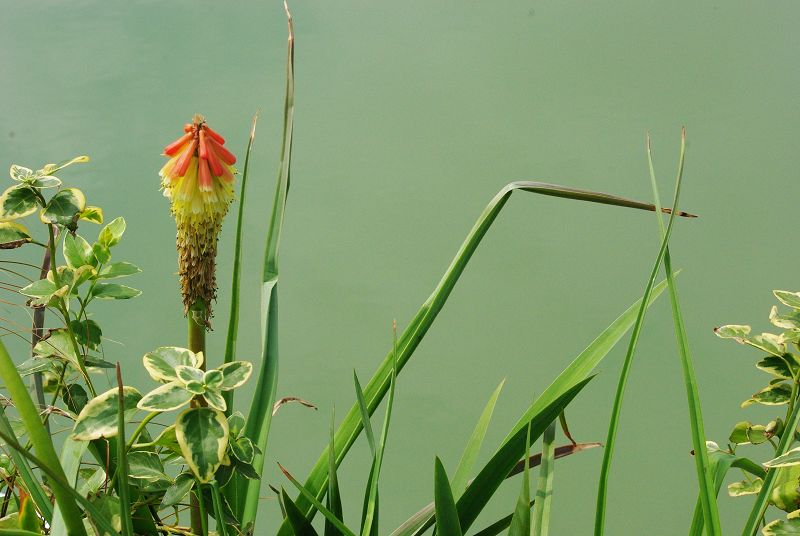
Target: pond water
[410,116]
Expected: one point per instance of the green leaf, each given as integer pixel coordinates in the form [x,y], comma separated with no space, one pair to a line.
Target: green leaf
[782,527]
[19,173]
[792,299]
[446,514]
[46,181]
[113,291]
[243,449]
[183,484]
[75,397]
[101,252]
[39,289]
[236,423]
[58,344]
[162,362]
[234,374]
[17,202]
[202,434]
[64,207]
[772,395]
[168,440]
[213,379]
[777,366]
[118,269]
[87,332]
[745,487]
[769,342]
[145,466]
[188,374]
[13,235]
[92,214]
[544,490]
[341,527]
[112,233]
[165,398]
[99,417]
[786,460]
[473,447]
[334,497]
[746,433]
[77,251]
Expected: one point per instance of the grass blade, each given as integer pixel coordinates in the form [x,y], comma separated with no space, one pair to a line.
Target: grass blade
[544,489]
[473,448]
[377,387]
[300,525]
[42,443]
[521,518]
[498,526]
[316,504]
[334,499]
[233,319]
[708,496]
[365,422]
[71,454]
[446,514]
[122,460]
[260,417]
[613,425]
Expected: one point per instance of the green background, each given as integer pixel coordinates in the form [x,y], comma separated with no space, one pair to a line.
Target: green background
[410,116]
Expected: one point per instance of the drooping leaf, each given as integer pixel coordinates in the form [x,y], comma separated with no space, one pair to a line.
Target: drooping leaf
[785,460]
[87,332]
[214,399]
[64,207]
[92,214]
[733,331]
[99,417]
[182,485]
[772,395]
[202,434]
[745,487]
[145,465]
[792,299]
[167,397]
[75,397]
[777,366]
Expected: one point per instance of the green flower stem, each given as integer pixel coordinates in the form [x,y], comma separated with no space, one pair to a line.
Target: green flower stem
[215,494]
[42,443]
[197,343]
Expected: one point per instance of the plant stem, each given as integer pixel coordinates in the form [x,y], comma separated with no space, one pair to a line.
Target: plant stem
[122,462]
[215,495]
[197,343]
[37,334]
[201,506]
[140,429]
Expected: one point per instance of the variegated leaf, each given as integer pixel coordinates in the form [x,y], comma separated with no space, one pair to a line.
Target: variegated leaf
[202,434]
[162,362]
[235,374]
[215,399]
[99,417]
[166,398]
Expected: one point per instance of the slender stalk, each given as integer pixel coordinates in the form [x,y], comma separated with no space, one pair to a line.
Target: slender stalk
[37,334]
[197,343]
[201,507]
[42,443]
[140,429]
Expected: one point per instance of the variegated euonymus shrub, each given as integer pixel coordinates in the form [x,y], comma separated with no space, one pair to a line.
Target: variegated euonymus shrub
[775,482]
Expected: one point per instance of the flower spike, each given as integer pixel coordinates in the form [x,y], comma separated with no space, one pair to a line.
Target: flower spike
[198,181]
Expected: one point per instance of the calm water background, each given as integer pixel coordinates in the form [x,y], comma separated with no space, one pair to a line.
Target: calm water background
[410,116]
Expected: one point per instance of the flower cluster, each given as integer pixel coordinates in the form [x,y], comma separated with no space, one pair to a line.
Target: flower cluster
[198,179]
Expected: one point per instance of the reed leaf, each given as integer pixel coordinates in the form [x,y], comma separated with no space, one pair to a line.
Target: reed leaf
[233,318]
[123,489]
[521,518]
[446,513]
[544,489]
[377,387]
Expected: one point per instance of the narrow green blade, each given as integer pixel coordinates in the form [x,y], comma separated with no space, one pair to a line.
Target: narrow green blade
[544,489]
[316,504]
[300,525]
[334,499]
[446,514]
[473,448]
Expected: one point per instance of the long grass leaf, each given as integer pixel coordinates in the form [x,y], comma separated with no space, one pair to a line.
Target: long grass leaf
[544,489]
[260,417]
[42,443]
[418,327]
[446,514]
[498,526]
[708,496]
[71,454]
[334,498]
[365,421]
[473,447]
[613,425]
[300,525]
[236,277]
[521,518]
